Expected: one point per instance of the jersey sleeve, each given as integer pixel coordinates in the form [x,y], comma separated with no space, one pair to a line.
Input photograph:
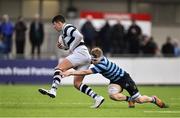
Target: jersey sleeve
[94,70]
[77,39]
[98,68]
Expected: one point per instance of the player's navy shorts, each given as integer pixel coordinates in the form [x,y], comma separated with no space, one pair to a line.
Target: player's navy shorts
[127,83]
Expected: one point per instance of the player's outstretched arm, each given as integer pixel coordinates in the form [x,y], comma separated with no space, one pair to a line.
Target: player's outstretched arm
[80,72]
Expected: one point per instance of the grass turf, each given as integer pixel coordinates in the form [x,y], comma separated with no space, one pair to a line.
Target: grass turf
[25,101]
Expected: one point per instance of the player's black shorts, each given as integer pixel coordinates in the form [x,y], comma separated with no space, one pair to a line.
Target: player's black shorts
[128,84]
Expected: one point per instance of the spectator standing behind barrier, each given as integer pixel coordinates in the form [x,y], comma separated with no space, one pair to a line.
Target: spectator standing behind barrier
[20,38]
[149,46]
[1,41]
[176,49]
[6,30]
[133,35]
[104,36]
[89,33]
[36,35]
[117,38]
[168,48]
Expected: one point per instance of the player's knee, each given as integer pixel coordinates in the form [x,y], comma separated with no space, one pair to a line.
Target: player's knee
[114,89]
[58,68]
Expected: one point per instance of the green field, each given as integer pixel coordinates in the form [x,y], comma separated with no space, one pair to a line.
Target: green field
[25,101]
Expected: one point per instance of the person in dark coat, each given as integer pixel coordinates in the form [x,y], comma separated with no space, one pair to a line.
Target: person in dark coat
[104,38]
[117,37]
[168,48]
[20,38]
[133,36]
[149,47]
[89,33]
[36,35]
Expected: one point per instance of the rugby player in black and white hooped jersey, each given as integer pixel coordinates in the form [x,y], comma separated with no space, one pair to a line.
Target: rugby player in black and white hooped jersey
[79,58]
[119,80]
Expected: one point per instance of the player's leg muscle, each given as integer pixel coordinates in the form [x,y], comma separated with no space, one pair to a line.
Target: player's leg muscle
[64,65]
[77,81]
[144,99]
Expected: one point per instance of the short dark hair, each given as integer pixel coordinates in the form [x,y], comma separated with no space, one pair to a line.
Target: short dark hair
[58,18]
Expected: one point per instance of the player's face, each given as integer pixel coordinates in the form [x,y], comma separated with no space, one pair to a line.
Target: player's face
[58,26]
[95,60]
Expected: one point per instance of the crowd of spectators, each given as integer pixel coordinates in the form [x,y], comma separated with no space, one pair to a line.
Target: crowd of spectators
[117,41]
[8,29]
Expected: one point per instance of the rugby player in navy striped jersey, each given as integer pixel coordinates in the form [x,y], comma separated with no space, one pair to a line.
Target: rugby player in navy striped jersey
[79,58]
[119,80]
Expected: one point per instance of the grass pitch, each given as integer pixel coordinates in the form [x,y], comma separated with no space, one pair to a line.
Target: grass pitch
[25,101]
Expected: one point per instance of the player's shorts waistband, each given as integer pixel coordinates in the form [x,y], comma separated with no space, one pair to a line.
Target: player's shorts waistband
[80,44]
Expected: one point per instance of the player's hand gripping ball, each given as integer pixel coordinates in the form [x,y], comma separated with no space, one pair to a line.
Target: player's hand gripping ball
[60,43]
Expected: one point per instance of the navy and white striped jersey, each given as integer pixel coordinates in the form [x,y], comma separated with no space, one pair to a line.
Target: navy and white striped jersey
[71,37]
[108,69]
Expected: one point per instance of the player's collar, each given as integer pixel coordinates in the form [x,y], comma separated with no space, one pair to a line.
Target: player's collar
[64,25]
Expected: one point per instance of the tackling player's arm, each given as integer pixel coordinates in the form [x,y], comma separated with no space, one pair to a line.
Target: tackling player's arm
[92,70]
[80,72]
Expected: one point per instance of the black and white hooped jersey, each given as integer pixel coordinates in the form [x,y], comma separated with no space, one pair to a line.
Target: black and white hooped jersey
[71,37]
[108,69]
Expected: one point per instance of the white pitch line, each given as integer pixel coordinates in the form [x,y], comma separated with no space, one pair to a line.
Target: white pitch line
[64,103]
[173,103]
[175,98]
[172,112]
[87,117]
[28,103]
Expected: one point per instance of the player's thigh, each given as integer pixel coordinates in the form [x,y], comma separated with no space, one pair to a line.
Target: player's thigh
[114,89]
[64,65]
